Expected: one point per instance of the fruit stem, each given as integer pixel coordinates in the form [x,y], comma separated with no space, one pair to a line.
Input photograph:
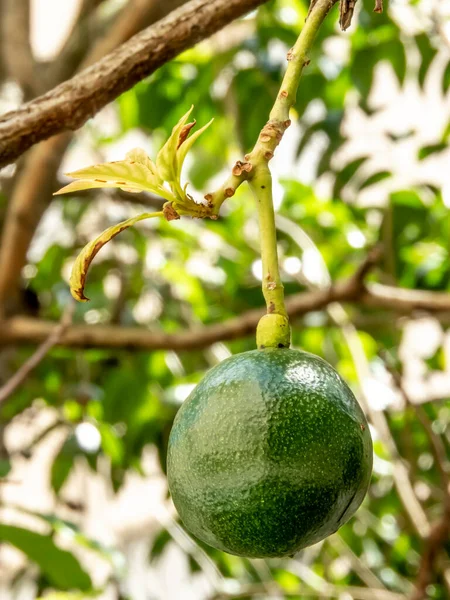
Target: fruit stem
[273,329]
[272,286]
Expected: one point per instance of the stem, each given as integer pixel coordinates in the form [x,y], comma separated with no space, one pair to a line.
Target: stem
[272,286]
[274,129]
[273,329]
[298,59]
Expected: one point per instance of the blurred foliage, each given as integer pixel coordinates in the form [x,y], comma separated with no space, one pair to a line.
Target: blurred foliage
[112,405]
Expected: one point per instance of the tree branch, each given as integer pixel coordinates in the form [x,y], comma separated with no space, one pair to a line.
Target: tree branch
[25,330]
[68,106]
[36,182]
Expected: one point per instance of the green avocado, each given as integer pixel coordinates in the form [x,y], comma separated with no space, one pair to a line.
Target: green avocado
[270,453]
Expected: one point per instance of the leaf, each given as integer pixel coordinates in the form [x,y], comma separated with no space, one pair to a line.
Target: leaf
[159,544]
[187,144]
[86,256]
[5,467]
[427,151]
[61,467]
[427,53]
[166,161]
[394,52]
[344,176]
[446,79]
[137,155]
[60,566]
[137,173]
[112,445]
[375,178]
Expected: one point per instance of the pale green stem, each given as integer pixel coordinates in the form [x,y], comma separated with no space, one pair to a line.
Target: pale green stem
[273,329]
[298,58]
[279,121]
[272,287]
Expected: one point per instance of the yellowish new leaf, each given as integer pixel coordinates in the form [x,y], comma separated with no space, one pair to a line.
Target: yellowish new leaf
[86,256]
[187,145]
[137,173]
[166,161]
[86,184]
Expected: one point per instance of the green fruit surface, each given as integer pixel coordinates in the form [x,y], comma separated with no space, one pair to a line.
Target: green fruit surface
[270,453]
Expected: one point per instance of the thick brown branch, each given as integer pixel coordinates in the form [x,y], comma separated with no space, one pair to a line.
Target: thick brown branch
[70,104]
[24,330]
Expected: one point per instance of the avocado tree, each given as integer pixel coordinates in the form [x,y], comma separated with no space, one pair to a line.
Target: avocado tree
[368,253]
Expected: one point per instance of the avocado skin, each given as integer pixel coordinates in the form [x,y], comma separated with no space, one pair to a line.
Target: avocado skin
[269,454]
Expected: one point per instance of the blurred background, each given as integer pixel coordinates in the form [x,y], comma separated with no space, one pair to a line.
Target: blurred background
[84,506]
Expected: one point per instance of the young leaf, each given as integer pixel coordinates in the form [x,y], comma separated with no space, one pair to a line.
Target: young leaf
[166,161]
[84,259]
[137,173]
[186,145]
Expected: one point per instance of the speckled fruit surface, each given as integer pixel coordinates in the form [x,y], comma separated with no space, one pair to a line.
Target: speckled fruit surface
[270,453]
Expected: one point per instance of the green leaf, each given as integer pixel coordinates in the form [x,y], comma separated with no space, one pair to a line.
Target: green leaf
[61,467]
[86,256]
[394,52]
[60,566]
[427,151]
[427,53]
[362,70]
[375,178]
[112,445]
[446,79]
[5,467]
[344,176]
[159,544]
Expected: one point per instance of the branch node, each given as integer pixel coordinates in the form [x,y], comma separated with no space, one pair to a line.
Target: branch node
[170,214]
[241,167]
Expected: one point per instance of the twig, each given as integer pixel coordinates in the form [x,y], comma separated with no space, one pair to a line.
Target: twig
[33,190]
[188,545]
[364,572]
[68,106]
[21,375]
[440,531]
[437,447]
[438,537]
